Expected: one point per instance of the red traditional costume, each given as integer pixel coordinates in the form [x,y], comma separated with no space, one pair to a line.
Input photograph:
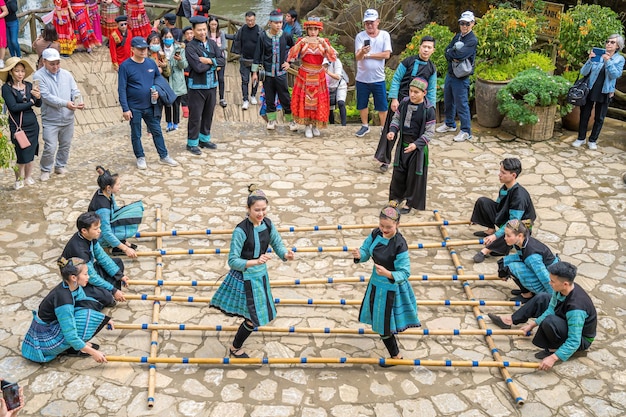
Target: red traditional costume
[63,25]
[138,18]
[82,25]
[109,10]
[310,102]
[119,46]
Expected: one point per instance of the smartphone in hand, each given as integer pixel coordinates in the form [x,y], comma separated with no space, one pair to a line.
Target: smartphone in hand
[11,395]
[366,42]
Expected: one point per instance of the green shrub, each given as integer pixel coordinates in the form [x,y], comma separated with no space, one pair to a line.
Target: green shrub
[442,35]
[505,71]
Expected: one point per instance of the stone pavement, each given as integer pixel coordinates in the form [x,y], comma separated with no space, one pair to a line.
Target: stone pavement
[581,203]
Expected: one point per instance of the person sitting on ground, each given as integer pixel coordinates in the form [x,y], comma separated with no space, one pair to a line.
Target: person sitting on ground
[414,123]
[569,322]
[116,223]
[513,202]
[66,320]
[528,266]
[389,304]
[106,274]
[246,290]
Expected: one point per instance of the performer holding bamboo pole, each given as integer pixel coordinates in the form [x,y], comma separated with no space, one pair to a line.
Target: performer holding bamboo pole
[246,290]
[389,304]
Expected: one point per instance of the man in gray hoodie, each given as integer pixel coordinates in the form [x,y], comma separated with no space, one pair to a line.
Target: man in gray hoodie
[60,99]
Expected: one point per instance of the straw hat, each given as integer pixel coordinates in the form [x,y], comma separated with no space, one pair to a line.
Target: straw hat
[10,63]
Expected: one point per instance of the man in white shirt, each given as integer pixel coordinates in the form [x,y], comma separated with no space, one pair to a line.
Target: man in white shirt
[372,47]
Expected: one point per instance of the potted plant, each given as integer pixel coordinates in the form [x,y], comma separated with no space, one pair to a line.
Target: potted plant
[503,34]
[531,100]
[583,27]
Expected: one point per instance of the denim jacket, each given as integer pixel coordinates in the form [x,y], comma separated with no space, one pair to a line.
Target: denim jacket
[613,68]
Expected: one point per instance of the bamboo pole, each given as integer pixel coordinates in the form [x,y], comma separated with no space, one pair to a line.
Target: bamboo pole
[295,229]
[330,280]
[311,330]
[154,334]
[479,317]
[311,301]
[305,249]
[316,360]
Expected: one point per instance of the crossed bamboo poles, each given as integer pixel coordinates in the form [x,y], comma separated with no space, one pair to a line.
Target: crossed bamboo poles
[158,283]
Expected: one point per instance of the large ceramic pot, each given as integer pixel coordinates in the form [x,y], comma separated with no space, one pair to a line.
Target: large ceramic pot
[571,120]
[486,102]
[543,129]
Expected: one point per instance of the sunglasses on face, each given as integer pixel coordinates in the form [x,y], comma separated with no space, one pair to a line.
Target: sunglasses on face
[123,24]
[611,41]
[464,23]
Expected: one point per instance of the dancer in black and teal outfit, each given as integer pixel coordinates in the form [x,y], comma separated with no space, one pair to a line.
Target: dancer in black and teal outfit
[66,321]
[246,290]
[389,304]
[116,223]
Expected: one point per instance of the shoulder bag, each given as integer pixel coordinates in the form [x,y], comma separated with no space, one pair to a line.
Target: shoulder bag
[20,135]
[462,69]
[577,94]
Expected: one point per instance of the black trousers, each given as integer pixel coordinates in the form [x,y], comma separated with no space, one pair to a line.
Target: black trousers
[245,81]
[585,114]
[201,107]
[532,309]
[484,214]
[277,85]
[385,146]
[172,113]
[220,81]
[552,333]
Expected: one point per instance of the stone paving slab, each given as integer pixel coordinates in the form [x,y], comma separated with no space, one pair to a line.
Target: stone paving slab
[580,200]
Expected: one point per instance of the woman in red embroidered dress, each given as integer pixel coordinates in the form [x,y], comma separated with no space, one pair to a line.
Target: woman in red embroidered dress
[138,21]
[82,25]
[310,101]
[62,21]
[109,10]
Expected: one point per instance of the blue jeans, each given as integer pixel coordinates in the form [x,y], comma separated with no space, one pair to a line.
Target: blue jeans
[154,126]
[13,28]
[456,100]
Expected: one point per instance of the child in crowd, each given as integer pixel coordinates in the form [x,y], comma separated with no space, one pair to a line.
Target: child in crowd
[414,124]
[116,223]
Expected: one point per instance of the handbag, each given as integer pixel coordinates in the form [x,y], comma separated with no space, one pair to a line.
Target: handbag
[261,73]
[462,69]
[577,94]
[20,135]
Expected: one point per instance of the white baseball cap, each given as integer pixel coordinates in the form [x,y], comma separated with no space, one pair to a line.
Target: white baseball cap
[50,54]
[467,17]
[370,15]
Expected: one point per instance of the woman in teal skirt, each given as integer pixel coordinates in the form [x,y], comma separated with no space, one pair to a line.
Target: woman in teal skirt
[389,304]
[246,290]
[65,322]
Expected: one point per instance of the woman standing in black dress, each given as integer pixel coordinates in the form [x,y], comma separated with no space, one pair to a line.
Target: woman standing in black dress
[20,96]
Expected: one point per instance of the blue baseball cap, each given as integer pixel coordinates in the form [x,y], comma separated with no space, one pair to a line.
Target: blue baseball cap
[139,42]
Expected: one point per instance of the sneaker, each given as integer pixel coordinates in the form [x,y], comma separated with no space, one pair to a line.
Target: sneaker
[593,146]
[141,163]
[223,103]
[60,170]
[462,137]
[194,150]
[578,143]
[19,184]
[245,105]
[174,126]
[293,126]
[45,176]
[29,181]
[185,112]
[170,127]
[168,160]
[308,132]
[271,125]
[253,101]
[445,128]
[316,132]
[207,145]
[364,130]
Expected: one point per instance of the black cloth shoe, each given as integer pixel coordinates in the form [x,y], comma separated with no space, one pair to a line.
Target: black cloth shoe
[480,234]
[516,292]
[208,145]
[233,353]
[384,167]
[117,252]
[405,210]
[498,321]
[479,257]
[75,353]
[131,245]
[95,346]
[542,354]
[194,150]
[521,299]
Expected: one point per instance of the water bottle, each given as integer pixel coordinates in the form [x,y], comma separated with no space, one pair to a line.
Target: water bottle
[152,91]
[78,99]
